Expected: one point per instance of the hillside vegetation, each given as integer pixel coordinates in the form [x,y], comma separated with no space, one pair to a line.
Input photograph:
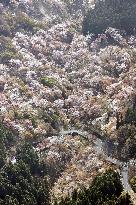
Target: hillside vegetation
[120,14]
[67,102]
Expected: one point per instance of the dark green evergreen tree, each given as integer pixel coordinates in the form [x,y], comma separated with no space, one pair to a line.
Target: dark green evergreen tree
[104,190]
[27,154]
[2,153]
[130,117]
[19,186]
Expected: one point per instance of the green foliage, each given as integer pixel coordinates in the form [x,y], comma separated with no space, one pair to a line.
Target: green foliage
[7,22]
[126,133]
[105,187]
[49,81]
[120,14]
[25,181]
[133,183]
[2,154]
[10,24]
[5,30]
[50,116]
[27,154]
[6,56]
[26,23]
[18,186]
[104,190]
[7,50]
[126,138]
[6,44]
[6,136]
[130,116]
[7,139]
[9,200]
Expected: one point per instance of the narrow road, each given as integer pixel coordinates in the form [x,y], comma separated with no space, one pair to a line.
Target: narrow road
[98,147]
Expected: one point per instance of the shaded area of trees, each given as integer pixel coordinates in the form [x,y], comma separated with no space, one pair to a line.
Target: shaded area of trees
[130,117]
[126,131]
[119,14]
[18,185]
[127,141]
[27,154]
[11,23]
[24,181]
[106,189]
[7,139]
[7,50]
[6,136]
[133,183]
[5,2]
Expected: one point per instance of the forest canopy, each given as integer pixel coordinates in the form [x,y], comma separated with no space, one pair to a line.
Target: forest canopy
[120,14]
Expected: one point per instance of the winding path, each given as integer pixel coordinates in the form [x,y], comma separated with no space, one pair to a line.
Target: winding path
[98,147]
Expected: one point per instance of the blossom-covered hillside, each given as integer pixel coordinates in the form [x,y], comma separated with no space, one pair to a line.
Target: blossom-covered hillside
[53,79]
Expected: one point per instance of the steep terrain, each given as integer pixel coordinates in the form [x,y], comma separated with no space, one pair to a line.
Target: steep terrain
[53,78]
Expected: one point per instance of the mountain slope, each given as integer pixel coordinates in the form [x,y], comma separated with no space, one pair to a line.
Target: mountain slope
[52,77]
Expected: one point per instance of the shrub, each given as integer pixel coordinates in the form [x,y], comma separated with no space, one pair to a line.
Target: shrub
[7,21]
[126,140]
[48,81]
[6,136]
[133,183]
[27,154]
[7,50]
[120,14]
[104,190]
[19,186]
[6,56]
[25,23]
[130,116]
[5,30]
[10,24]
[7,139]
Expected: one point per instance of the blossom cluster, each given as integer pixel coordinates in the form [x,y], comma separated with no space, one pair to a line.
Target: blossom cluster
[62,78]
